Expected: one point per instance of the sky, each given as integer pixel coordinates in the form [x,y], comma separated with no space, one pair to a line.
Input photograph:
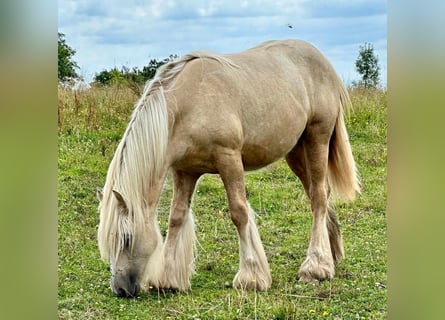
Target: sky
[116,33]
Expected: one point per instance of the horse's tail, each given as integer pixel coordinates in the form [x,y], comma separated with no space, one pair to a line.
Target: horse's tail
[342,169]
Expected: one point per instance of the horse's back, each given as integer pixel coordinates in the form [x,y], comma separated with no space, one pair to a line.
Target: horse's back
[260,107]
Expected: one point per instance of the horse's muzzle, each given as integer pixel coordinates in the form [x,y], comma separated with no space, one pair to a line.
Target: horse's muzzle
[125,287]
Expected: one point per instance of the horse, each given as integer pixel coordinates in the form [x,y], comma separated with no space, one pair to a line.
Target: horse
[226,114]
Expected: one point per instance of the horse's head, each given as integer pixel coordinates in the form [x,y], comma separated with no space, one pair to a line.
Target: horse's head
[127,239]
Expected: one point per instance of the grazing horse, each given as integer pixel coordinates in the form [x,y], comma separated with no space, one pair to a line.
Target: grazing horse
[224,114]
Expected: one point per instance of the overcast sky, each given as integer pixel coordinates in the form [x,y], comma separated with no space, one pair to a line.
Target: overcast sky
[108,33]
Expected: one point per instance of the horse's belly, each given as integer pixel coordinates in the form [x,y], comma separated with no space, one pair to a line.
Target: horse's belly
[256,156]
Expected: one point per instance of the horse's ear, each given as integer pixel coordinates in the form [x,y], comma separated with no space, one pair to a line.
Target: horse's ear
[99,194]
[120,199]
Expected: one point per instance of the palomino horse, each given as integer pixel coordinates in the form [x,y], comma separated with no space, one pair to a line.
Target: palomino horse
[209,113]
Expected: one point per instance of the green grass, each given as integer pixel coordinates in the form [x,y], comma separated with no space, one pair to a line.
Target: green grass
[90,126]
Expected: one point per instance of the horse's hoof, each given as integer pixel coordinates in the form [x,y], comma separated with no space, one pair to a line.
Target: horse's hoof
[316,269]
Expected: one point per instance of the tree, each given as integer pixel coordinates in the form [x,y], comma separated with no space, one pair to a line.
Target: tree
[66,65]
[104,77]
[367,65]
[134,78]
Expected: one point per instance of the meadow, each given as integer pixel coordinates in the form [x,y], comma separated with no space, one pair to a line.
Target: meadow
[91,123]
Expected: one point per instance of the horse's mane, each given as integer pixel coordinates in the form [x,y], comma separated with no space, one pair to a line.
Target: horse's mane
[140,159]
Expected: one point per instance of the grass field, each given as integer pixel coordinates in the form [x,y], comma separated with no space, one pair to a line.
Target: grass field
[91,124]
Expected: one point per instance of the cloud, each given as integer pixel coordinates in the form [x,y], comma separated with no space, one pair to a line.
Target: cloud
[90,9]
[115,33]
[343,8]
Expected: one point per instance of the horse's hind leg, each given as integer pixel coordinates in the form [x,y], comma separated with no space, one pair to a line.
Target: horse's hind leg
[296,160]
[309,161]
[179,247]
[254,271]
[335,238]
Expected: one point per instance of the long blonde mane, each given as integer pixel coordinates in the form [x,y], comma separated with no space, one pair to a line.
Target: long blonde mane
[139,160]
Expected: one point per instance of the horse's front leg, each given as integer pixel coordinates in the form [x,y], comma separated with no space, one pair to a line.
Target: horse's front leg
[179,247]
[254,271]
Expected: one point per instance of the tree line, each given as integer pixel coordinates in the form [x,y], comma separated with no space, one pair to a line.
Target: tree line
[133,75]
[367,65]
